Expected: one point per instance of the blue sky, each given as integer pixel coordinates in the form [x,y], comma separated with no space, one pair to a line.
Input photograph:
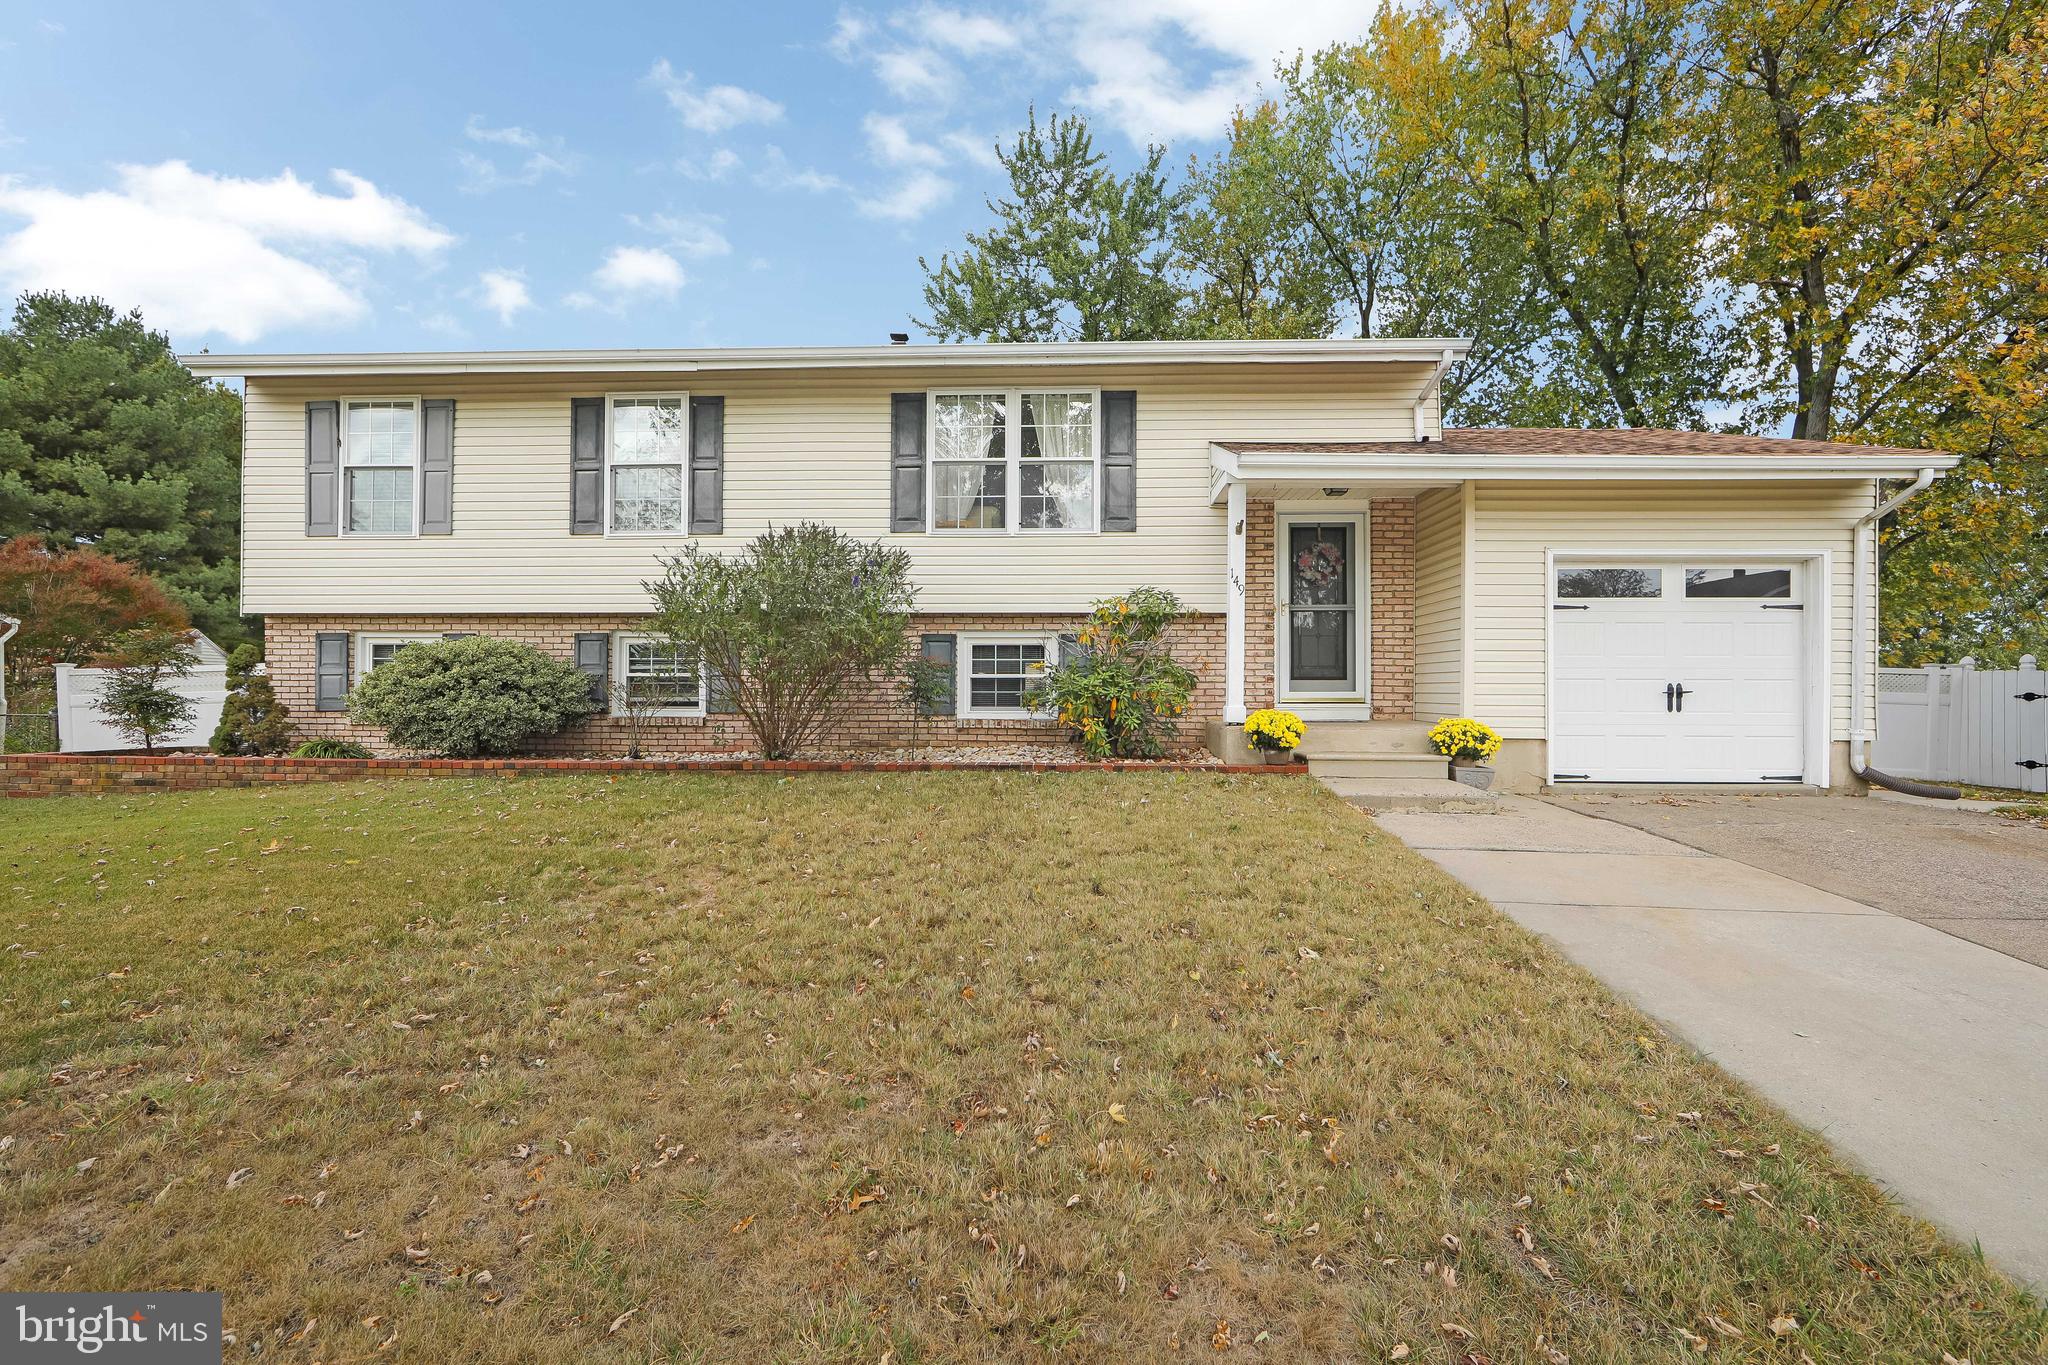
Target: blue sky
[453,176]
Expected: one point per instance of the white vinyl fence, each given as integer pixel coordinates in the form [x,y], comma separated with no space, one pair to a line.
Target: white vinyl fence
[1957,723]
[81,729]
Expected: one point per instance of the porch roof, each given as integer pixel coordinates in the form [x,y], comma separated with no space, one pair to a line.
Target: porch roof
[1557,453]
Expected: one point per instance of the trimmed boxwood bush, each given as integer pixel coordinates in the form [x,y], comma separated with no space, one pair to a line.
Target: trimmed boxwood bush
[330,748]
[470,697]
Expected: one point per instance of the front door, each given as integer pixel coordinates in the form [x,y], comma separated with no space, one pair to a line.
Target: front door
[1322,611]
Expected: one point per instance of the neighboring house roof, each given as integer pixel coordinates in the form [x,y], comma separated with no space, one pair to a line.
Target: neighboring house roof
[1569,441]
[1407,350]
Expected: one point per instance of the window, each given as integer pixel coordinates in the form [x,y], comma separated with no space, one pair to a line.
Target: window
[380,452]
[1014,460]
[1610,582]
[372,650]
[650,442]
[661,674]
[1738,582]
[997,670]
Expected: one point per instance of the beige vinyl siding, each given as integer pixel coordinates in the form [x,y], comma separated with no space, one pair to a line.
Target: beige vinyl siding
[1439,603]
[798,445]
[1515,523]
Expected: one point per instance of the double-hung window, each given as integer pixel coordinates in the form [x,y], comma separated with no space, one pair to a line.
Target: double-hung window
[380,464]
[1015,459]
[650,445]
[660,676]
[372,650]
[997,671]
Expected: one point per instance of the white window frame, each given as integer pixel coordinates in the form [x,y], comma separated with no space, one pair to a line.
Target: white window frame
[963,673]
[1013,460]
[610,433]
[625,638]
[359,665]
[418,473]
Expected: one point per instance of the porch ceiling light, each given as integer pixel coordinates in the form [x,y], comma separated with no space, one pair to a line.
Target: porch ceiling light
[1335,492]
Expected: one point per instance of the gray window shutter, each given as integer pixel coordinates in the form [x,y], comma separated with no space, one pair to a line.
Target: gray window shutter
[1120,460]
[707,466]
[323,468]
[594,660]
[586,466]
[437,466]
[944,649]
[906,462]
[330,671]
[717,696]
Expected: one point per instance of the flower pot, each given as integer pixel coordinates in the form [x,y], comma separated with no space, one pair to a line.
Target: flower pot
[1472,773]
[1275,757]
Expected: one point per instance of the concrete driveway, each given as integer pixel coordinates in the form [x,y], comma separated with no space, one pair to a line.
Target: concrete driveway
[1974,875]
[1922,1057]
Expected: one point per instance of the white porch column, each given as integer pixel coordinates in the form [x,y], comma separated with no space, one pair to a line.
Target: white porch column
[1233,609]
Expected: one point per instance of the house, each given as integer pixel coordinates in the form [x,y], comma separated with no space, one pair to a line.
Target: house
[1621,605]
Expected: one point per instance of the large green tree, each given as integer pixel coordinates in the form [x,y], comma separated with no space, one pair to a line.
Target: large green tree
[107,441]
[1076,251]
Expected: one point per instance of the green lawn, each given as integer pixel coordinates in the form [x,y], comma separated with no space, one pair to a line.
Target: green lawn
[910,1067]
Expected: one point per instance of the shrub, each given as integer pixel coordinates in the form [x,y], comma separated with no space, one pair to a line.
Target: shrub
[1122,694]
[330,748]
[1458,737]
[1274,731]
[470,696]
[925,685]
[139,699]
[788,625]
[252,719]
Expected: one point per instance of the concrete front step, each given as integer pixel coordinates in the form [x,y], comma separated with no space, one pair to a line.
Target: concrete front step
[1373,794]
[1396,765]
[1360,739]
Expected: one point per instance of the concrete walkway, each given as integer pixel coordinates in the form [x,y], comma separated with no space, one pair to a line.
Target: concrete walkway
[1922,1057]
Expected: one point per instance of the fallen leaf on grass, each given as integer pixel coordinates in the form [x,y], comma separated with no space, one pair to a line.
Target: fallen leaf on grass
[1784,1325]
[1400,1351]
[1116,1114]
[417,1255]
[1723,1326]
[350,1234]
[864,1198]
[744,1223]
[1220,1338]
[300,1335]
[236,1178]
[1458,1330]
[87,1164]
[620,1321]
[1692,1339]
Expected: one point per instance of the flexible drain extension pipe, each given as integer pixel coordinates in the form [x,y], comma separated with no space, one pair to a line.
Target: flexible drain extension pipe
[1859,634]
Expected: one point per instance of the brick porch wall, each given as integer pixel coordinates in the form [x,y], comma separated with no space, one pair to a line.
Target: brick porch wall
[876,719]
[1391,569]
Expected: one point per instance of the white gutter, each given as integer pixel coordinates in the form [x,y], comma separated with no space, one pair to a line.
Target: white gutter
[1418,351]
[1429,386]
[1859,626]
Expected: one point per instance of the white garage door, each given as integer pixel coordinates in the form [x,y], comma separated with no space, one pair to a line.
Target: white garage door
[1678,672]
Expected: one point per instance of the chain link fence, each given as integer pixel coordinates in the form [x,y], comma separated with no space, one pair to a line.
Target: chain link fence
[28,732]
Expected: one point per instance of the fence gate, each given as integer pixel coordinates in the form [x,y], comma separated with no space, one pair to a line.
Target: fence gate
[1959,723]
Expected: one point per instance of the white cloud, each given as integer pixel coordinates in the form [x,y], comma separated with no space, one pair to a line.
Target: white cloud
[971,35]
[692,235]
[545,156]
[201,253]
[630,272]
[916,195]
[970,147]
[504,293]
[714,110]
[718,166]
[891,143]
[1145,93]
[779,173]
[916,75]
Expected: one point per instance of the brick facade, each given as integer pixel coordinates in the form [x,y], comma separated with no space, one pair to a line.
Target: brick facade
[1390,586]
[876,719]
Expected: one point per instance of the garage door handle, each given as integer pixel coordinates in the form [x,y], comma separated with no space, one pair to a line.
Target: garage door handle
[1667,695]
[1678,691]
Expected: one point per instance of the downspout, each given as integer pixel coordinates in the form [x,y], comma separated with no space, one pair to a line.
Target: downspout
[1429,386]
[1859,636]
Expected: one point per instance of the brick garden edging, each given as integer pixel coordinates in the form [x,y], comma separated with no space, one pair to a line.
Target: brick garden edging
[30,775]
